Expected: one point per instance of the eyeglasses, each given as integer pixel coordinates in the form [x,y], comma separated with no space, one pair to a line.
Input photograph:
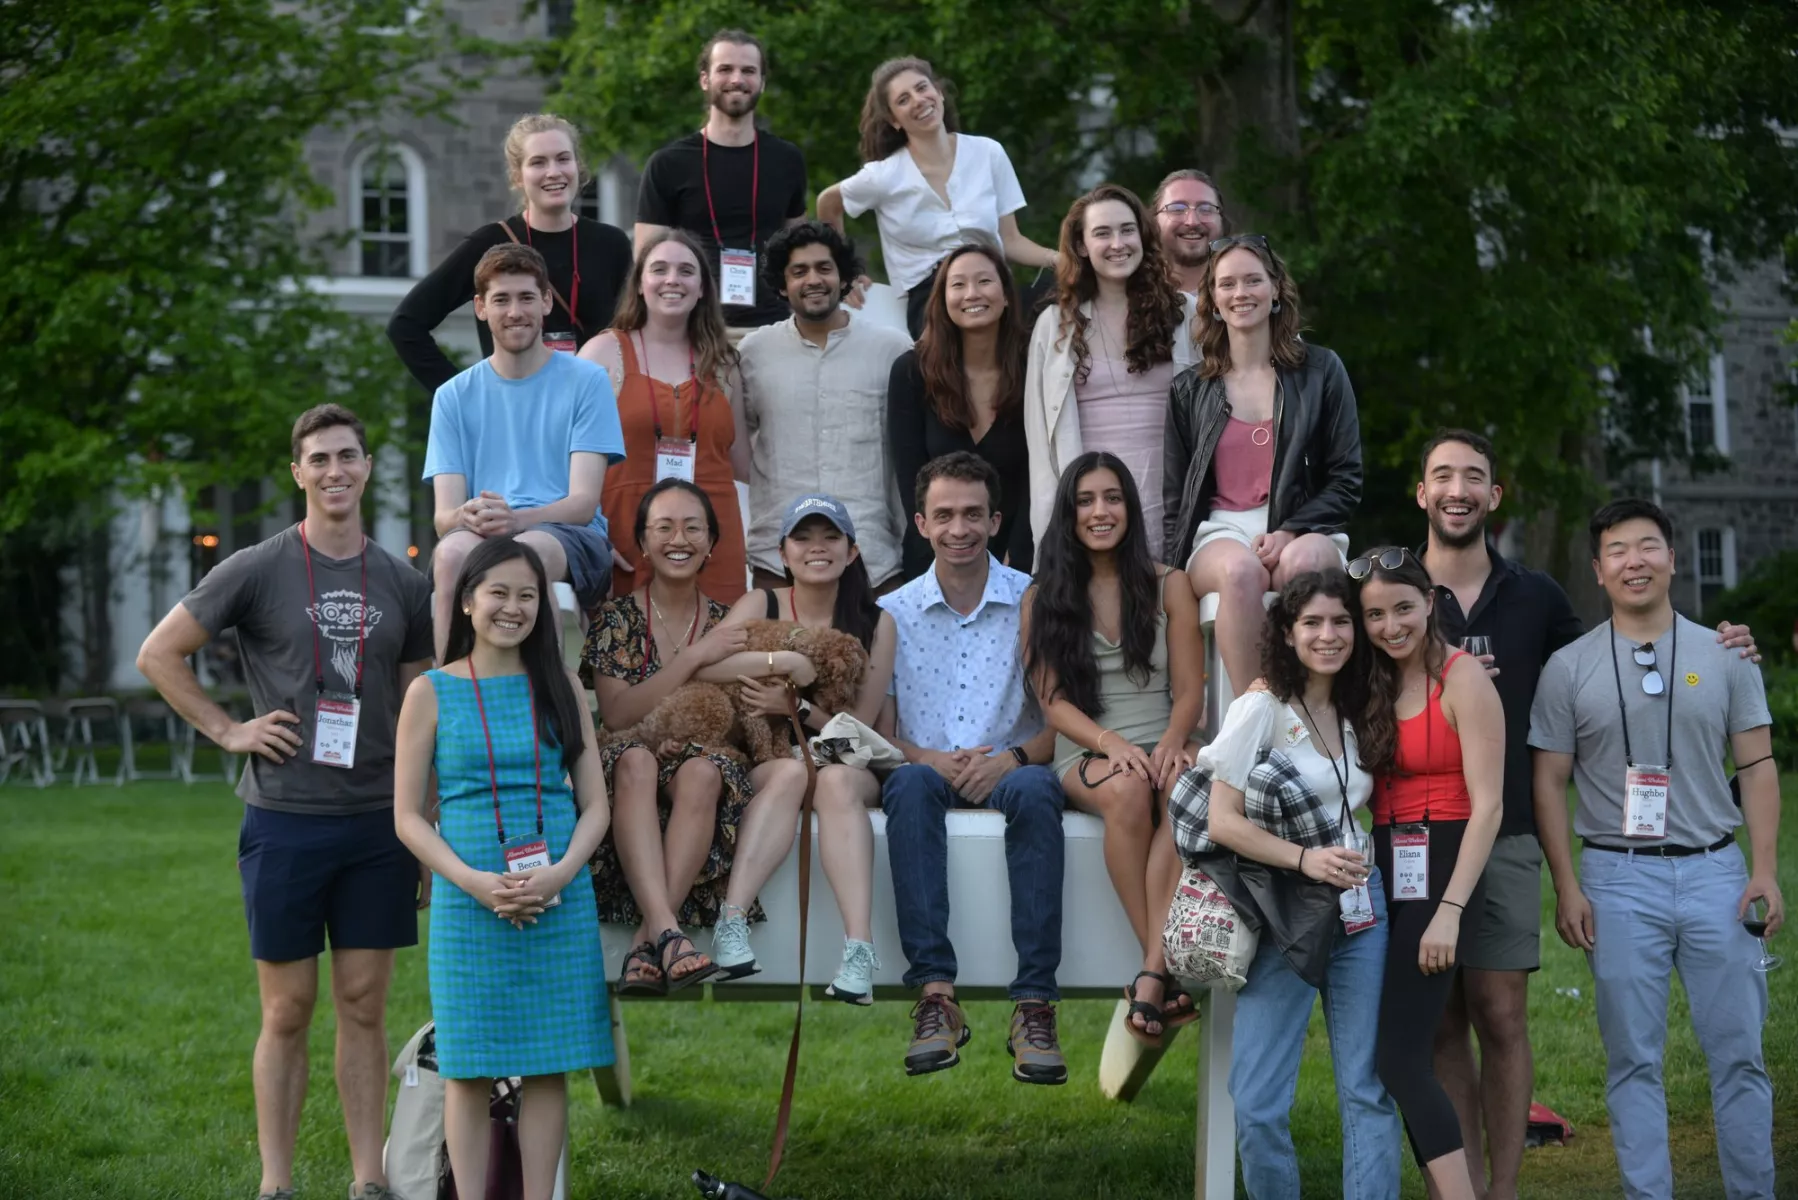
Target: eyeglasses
[1240,239]
[1390,559]
[1180,208]
[1652,683]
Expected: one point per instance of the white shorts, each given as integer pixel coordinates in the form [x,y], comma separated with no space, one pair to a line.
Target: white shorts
[1244,527]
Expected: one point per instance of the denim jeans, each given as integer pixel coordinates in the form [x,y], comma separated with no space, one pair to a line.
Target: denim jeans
[1654,916]
[917,800]
[1272,1011]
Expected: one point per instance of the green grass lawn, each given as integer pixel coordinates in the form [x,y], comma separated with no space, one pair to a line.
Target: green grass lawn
[128,1010]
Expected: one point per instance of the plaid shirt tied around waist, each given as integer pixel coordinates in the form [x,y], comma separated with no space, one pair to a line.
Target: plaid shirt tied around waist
[1274,796]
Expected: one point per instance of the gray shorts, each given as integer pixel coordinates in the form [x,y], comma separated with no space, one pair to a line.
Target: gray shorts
[1507,936]
[589,557]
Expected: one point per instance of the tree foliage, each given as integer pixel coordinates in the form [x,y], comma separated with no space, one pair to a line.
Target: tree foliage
[153,187]
[1498,212]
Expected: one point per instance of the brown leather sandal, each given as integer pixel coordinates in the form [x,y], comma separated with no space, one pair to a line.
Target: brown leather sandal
[641,974]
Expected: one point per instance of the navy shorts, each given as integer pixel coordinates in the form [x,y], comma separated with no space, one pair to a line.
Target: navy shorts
[306,874]
[589,557]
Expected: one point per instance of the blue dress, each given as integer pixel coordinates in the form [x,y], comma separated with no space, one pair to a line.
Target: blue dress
[509,1001]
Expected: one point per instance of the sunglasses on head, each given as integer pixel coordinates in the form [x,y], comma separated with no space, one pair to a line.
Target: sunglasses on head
[1219,245]
[1390,559]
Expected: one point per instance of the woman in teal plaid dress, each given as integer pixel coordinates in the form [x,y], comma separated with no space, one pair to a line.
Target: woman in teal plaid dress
[517,985]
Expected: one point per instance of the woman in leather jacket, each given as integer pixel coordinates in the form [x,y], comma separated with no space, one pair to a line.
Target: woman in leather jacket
[1262,457]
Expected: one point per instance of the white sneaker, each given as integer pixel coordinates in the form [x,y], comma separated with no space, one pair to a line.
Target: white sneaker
[730,946]
[854,983]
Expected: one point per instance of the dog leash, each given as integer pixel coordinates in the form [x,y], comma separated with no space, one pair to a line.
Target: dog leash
[784,1113]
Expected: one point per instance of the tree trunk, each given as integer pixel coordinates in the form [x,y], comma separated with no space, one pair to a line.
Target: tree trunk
[1248,113]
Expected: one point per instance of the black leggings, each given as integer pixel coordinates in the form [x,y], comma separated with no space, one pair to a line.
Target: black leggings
[1412,1003]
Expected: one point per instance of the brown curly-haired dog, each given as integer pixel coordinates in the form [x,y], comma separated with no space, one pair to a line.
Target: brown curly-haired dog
[710,715]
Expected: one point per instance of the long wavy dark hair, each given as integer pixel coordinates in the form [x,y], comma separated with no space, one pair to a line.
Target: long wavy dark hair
[1286,675]
[558,721]
[1213,335]
[1156,310]
[1379,747]
[879,137]
[1061,617]
[939,350]
[855,612]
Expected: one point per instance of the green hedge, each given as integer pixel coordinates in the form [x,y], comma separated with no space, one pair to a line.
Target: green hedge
[1765,600]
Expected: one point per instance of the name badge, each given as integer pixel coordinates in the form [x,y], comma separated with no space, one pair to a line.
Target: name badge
[529,855]
[1645,802]
[736,276]
[1411,862]
[565,342]
[1357,909]
[334,730]
[674,459]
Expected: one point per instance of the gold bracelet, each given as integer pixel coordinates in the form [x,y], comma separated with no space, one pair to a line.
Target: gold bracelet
[1100,748]
[770,662]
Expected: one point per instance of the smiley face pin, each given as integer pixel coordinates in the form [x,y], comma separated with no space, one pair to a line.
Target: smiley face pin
[1691,679]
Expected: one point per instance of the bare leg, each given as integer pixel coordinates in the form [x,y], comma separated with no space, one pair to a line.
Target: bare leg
[693,795]
[1229,569]
[446,567]
[1498,1003]
[637,835]
[466,1129]
[1309,552]
[289,991]
[1123,801]
[1459,1074]
[359,981]
[766,835]
[542,1128]
[555,565]
[846,843]
[1448,1176]
[1163,880]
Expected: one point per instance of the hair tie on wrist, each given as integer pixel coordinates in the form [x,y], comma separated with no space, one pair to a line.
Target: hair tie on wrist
[1462,907]
[1301,865]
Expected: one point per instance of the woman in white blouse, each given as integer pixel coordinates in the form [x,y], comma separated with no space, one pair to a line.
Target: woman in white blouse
[1311,697]
[927,184]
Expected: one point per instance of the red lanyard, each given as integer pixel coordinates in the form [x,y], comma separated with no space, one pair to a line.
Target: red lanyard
[755,187]
[793,603]
[574,249]
[492,771]
[649,620]
[318,666]
[655,408]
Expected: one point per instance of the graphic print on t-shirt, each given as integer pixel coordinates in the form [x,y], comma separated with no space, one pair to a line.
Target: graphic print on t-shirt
[343,619]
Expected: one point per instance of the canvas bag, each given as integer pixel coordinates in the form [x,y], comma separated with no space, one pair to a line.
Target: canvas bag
[414,1158]
[1205,941]
[848,741]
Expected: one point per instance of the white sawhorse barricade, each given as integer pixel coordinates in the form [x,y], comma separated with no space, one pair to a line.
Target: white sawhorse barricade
[1099,950]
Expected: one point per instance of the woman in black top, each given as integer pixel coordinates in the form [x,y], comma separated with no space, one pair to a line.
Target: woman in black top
[588,261]
[963,389]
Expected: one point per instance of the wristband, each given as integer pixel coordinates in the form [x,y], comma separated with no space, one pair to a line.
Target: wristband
[1462,907]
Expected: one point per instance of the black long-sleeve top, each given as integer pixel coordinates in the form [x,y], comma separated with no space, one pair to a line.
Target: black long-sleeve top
[605,266]
[915,436]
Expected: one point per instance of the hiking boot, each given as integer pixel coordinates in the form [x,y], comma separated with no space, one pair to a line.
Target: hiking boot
[940,1031]
[373,1191]
[730,946]
[277,1194]
[1033,1046]
[854,983]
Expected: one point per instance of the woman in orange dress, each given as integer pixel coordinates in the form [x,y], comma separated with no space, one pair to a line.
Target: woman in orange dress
[675,375]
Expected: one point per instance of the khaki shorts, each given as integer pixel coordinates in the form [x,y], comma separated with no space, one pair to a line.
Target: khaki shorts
[1508,933]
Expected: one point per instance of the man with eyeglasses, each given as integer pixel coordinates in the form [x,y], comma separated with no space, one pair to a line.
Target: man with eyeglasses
[1637,713]
[1190,213]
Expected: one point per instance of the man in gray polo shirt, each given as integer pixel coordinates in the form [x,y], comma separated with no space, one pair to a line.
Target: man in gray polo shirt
[1640,713]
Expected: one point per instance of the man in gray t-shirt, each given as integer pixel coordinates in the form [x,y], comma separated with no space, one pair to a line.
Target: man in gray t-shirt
[332,629]
[1640,713]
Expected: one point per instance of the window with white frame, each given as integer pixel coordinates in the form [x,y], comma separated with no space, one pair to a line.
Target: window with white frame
[587,203]
[388,206]
[1715,552]
[1707,409]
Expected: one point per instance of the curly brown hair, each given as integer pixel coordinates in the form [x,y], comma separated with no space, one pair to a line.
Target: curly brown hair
[1285,675]
[1213,336]
[880,138]
[1156,310]
[1385,679]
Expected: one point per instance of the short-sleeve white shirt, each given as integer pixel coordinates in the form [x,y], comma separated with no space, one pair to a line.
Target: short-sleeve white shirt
[1259,720]
[916,227]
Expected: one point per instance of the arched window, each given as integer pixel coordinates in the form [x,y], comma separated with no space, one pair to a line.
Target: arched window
[389,206]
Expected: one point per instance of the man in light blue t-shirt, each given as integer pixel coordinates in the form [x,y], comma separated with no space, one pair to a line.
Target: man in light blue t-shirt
[519,442]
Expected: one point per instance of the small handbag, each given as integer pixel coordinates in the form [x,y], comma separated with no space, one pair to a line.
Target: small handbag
[1205,941]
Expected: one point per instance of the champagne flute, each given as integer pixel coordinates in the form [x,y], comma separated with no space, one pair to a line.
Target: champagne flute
[1756,924]
[1479,645]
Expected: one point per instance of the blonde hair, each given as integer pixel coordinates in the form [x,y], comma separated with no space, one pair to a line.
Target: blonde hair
[523,128]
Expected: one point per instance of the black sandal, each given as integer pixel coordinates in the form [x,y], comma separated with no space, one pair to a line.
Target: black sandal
[634,978]
[673,937]
[1148,1012]
[1173,1014]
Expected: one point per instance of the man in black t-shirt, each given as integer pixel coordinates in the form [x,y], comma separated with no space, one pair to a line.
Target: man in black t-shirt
[332,629]
[730,186]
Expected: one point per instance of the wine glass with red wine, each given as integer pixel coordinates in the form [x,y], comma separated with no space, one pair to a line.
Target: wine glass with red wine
[1756,924]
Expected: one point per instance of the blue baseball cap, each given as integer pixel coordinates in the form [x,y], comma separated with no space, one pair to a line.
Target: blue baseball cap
[817,505]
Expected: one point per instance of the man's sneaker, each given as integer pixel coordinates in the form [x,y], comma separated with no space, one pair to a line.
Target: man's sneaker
[730,946]
[373,1191]
[1033,1046]
[854,983]
[940,1031]
[277,1194]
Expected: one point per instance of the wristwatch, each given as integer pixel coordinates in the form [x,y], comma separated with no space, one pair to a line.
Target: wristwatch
[1019,753]
[805,711]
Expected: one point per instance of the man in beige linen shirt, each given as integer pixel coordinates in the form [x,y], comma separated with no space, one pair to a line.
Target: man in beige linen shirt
[814,398]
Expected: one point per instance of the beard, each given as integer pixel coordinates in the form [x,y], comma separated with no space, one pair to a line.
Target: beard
[815,307]
[1183,253]
[1473,535]
[733,103]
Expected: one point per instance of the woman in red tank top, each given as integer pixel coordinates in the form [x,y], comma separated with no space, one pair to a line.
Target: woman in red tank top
[1435,744]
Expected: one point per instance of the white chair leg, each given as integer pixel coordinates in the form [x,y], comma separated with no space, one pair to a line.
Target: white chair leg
[1214,1162]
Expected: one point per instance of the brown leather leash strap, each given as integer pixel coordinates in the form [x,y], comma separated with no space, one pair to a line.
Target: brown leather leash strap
[784,1112]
